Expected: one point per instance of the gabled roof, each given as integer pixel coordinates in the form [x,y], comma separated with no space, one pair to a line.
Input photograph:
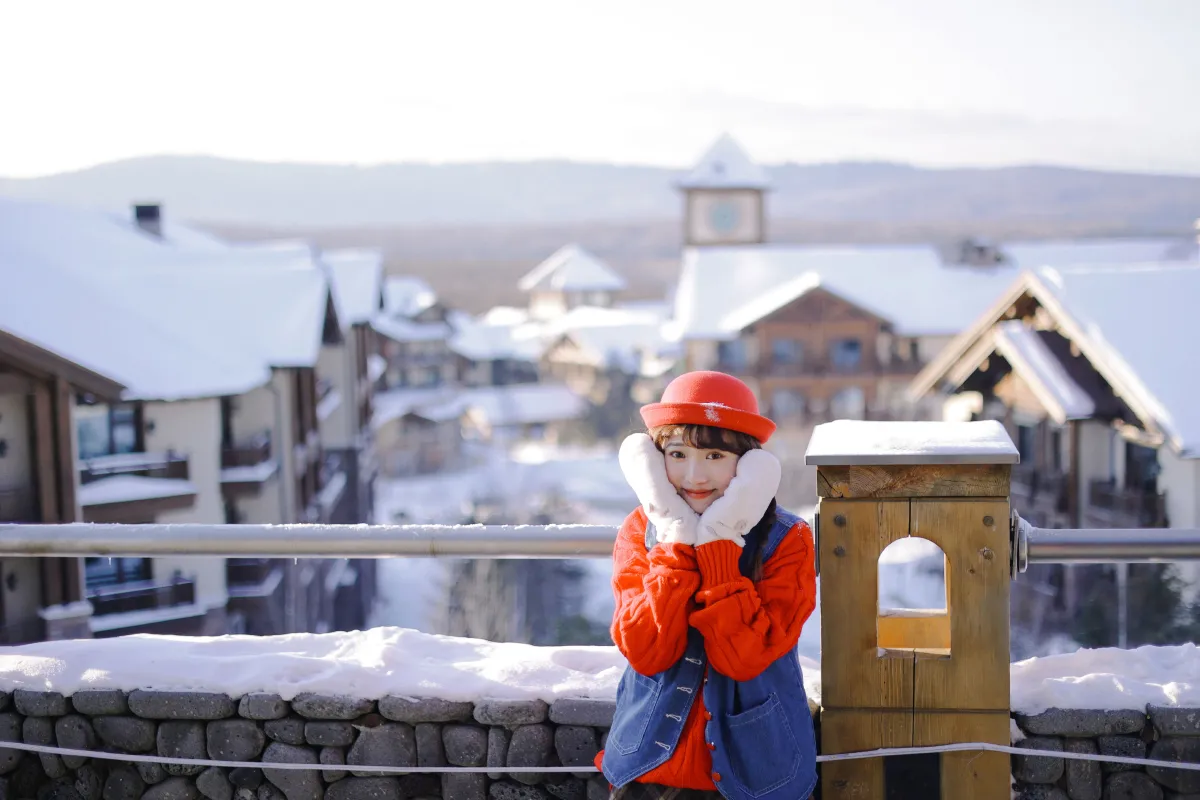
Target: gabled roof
[406,295]
[357,277]
[1129,323]
[399,329]
[609,337]
[572,269]
[1030,357]
[173,317]
[725,166]
[481,340]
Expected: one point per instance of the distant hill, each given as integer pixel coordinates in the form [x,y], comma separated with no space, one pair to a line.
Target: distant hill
[281,195]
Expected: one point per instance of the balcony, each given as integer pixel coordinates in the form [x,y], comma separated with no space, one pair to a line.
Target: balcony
[249,453]
[169,466]
[134,487]
[123,598]
[1125,507]
[244,572]
[246,466]
[16,504]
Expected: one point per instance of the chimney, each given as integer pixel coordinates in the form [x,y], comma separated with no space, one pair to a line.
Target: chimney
[148,217]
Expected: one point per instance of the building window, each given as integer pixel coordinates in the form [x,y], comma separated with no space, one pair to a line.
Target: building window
[787,405]
[849,403]
[845,354]
[787,352]
[732,355]
[108,430]
[112,571]
[1025,439]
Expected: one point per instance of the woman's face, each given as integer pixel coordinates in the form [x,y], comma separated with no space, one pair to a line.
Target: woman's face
[700,476]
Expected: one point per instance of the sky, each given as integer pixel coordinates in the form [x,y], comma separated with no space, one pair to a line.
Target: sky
[1106,84]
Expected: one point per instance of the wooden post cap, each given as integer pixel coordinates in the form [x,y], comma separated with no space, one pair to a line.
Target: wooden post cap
[863,443]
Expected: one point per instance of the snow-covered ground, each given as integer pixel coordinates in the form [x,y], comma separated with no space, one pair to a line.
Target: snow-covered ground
[590,480]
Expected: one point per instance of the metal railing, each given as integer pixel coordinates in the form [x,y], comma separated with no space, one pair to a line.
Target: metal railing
[1031,545]
[308,541]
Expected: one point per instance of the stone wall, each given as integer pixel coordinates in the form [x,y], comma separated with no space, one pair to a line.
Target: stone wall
[1167,734]
[398,732]
[311,729]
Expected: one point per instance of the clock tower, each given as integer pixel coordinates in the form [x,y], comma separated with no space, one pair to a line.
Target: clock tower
[724,198]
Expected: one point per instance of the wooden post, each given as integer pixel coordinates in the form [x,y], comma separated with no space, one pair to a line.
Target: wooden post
[914,677]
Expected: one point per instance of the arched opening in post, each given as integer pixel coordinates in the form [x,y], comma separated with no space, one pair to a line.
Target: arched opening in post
[913,613]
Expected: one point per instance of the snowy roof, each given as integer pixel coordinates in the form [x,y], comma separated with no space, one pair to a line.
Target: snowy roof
[1129,322]
[524,404]
[68,290]
[726,166]
[505,315]
[357,277]
[406,295]
[394,403]
[276,315]
[399,329]
[1045,375]
[479,340]
[112,329]
[514,404]
[723,289]
[1096,252]
[613,336]
[572,269]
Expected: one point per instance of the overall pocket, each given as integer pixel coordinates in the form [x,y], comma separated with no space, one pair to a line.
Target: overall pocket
[762,748]
[636,697]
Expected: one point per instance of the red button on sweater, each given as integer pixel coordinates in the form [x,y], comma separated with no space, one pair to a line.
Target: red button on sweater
[745,625]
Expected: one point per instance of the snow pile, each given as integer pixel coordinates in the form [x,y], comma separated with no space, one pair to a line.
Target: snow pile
[857,442]
[367,664]
[126,488]
[407,663]
[1108,678]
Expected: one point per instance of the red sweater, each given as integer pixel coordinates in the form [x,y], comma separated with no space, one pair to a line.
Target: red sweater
[745,625]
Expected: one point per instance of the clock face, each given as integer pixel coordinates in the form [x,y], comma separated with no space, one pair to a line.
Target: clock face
[724,217]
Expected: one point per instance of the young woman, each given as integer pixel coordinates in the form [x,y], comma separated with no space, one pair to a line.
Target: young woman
[713,583]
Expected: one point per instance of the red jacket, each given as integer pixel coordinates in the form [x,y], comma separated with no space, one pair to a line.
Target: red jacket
[745,625]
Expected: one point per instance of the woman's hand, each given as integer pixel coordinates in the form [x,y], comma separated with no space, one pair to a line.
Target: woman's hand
[645,468]
[742,504]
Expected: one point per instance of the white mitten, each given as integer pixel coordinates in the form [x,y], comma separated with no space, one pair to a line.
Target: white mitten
[645,469]
[742,504]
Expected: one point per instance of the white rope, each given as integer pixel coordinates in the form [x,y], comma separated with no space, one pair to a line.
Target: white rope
[1016,751]
[881,753]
